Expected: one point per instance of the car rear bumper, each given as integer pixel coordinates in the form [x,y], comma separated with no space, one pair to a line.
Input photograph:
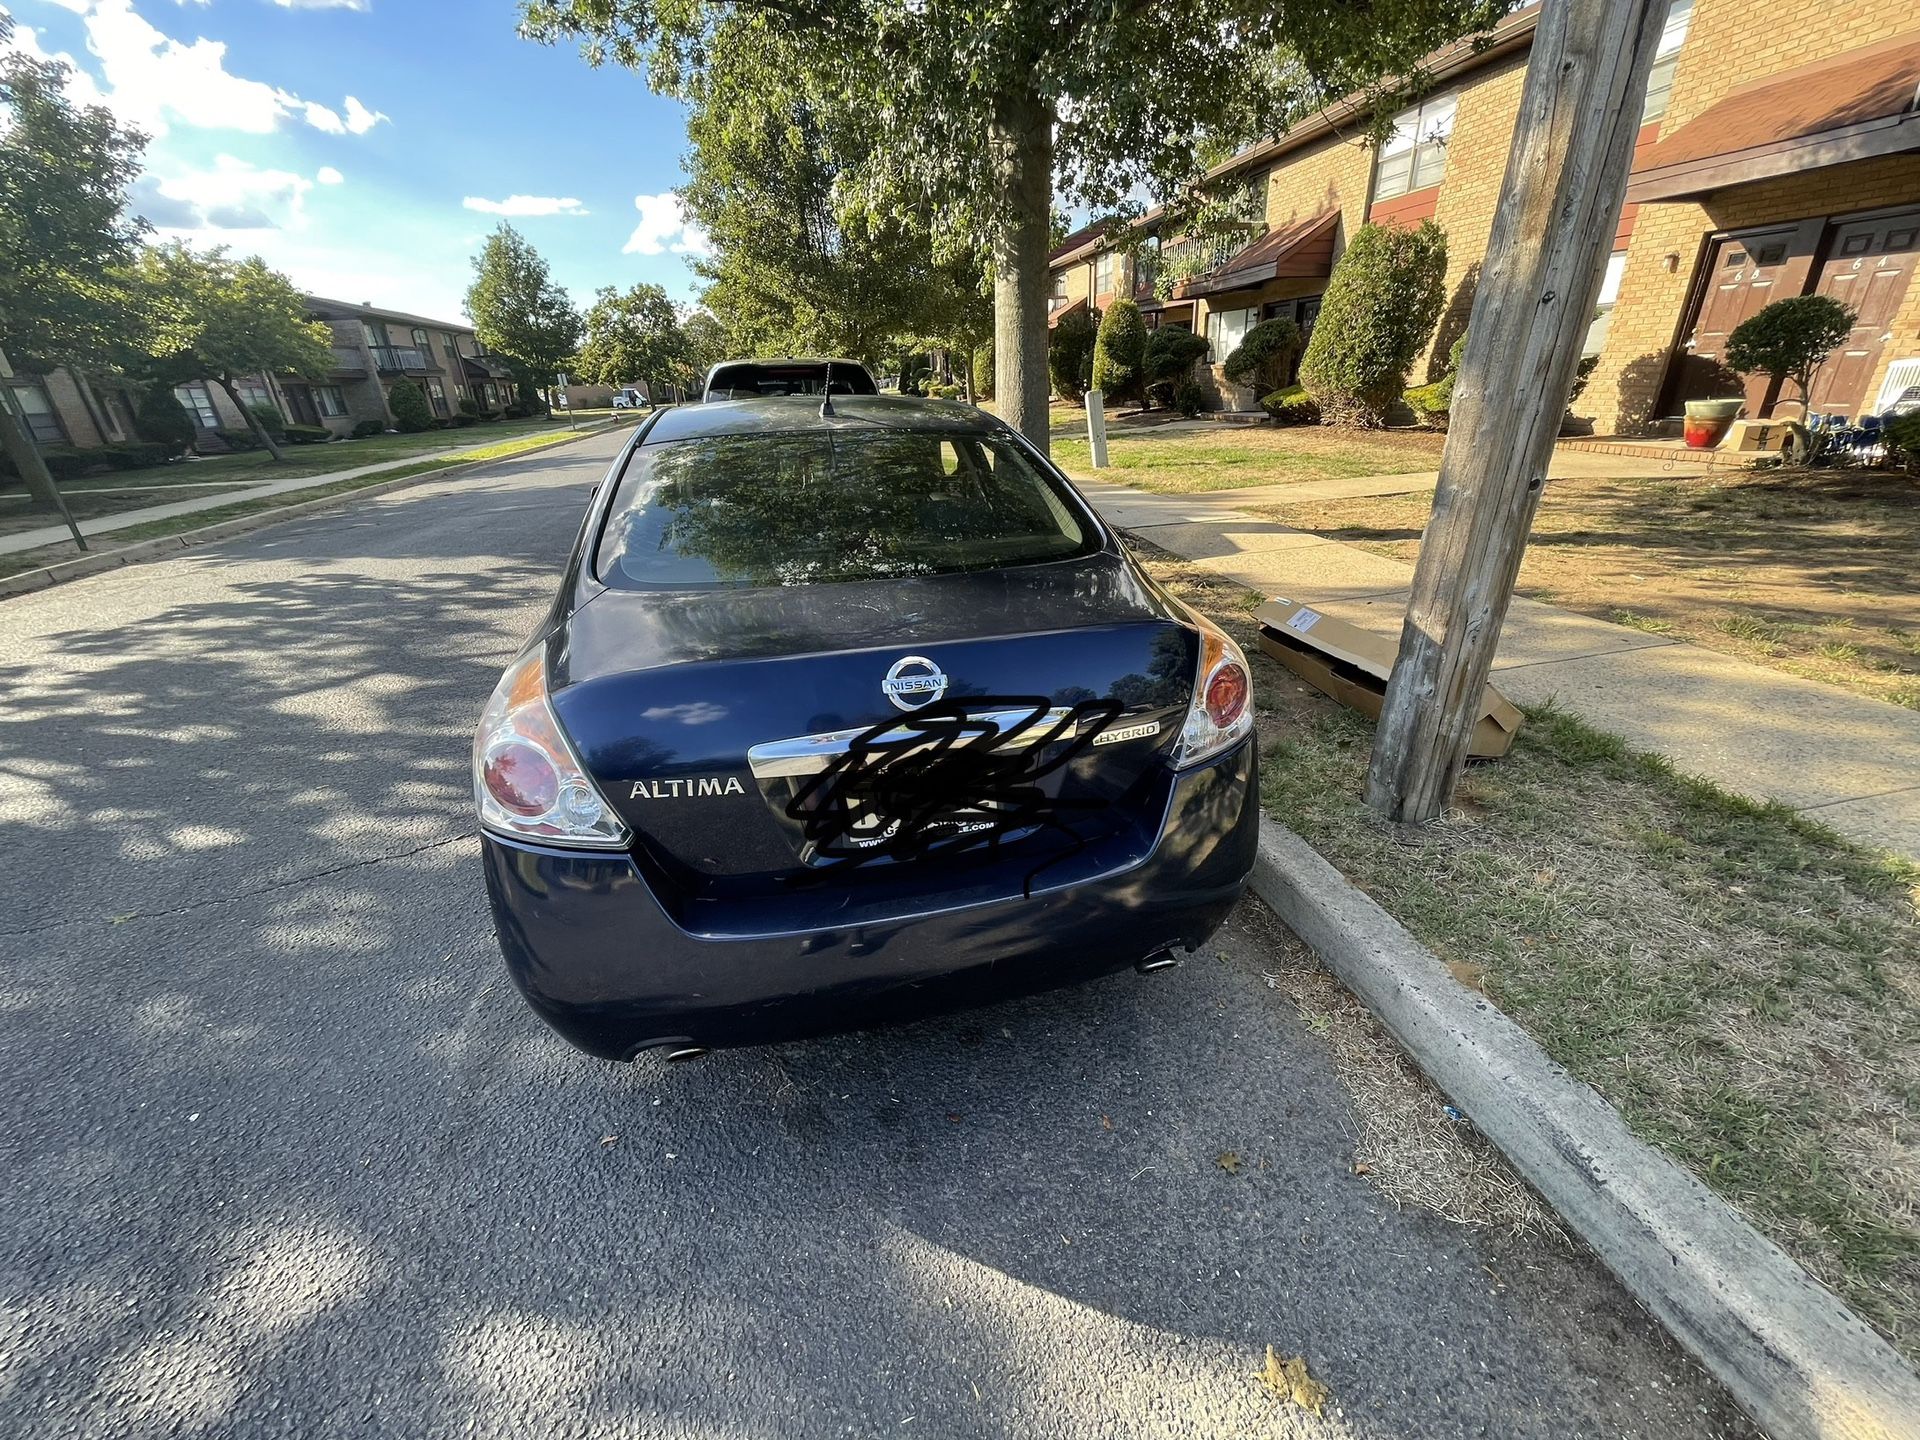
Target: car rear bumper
[601,962]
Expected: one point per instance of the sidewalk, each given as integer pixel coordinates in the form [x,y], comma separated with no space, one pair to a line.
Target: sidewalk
[1848,762]
[58,534]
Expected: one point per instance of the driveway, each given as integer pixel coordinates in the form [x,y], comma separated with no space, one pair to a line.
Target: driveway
[286,1156]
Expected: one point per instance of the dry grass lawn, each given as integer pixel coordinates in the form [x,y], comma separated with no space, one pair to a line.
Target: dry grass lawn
[1214,456]
[1813,573]
[1743,985]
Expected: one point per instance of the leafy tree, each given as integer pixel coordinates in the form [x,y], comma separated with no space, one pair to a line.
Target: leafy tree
[65,234]
[1261,356]
[163,420]
[1069,356]
[221,318]
[411,413]
[635,336]
[975,111]
[1790,339]
[1168,361]
[704,343]
[1382,302]
[980,369]
[519,312]
[1118,348]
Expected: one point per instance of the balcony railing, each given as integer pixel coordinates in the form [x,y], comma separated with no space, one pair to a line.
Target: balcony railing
[402,358]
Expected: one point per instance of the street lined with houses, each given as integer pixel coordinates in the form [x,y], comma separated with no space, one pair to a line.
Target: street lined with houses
[292,1159]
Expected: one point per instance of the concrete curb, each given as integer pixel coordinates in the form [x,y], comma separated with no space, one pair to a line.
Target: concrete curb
[95,562]
[1796,1358]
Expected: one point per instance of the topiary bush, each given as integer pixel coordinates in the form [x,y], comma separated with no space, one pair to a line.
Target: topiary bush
[1291,406]
[134,455]
[164,420]
[1431,404]
[63,463]
[366,429]
[1790,339]
[237,438]
[1382,302]
[308,435]
[1070,355]
[983,370]
[1169,358]
[1262,355]
[269,419]
[411,413]
[1189,397]
[1118,349]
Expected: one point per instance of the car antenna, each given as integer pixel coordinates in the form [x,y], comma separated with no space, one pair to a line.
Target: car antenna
[826,405]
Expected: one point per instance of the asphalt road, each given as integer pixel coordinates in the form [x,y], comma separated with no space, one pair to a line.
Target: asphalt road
[284,1155]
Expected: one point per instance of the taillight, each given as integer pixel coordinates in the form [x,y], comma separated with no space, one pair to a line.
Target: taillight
[1221,713]
[527,781]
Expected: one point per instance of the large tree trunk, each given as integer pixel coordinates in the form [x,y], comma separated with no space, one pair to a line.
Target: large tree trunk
[1022,139]
[267,442]
[29,465]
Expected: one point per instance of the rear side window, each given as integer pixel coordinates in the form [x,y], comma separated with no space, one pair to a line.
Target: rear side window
[822,506]
[748,380]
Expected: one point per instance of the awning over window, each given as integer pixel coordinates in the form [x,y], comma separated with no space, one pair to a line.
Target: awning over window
[1850,106]
[1054,317]
[1301,250]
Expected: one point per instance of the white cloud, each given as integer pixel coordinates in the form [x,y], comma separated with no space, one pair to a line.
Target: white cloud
[153,81]
[526,205]
[81,88]
[664,227]
[233,195]
[311,4]
[359,118]
[327,175]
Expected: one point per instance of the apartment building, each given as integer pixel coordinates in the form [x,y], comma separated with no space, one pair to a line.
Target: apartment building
[1779,154]
[372,348]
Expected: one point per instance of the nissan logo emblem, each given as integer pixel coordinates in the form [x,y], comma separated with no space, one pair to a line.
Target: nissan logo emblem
[914,681]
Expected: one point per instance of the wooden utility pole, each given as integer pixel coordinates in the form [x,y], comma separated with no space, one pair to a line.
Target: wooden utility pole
[1566,174]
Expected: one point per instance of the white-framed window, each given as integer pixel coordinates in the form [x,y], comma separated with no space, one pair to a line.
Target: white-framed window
[328,400]
[1415,155]
[437,393]
[1666,60]
[199,403]
[43,423]
[254,392]
[1226,329]
[1105,270]
[1603,310]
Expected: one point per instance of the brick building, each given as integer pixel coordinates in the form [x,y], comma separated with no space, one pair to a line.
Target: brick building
[372,348]
[1779,154]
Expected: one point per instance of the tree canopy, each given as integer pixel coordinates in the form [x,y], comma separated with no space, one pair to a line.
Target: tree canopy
[518,310]
[635,336]
[220,318]
[977,112]
[1791,339]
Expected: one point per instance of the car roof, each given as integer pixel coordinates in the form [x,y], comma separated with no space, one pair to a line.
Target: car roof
[786,360]
[767,414]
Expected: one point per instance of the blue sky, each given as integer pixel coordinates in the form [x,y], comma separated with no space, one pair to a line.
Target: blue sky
[366,147]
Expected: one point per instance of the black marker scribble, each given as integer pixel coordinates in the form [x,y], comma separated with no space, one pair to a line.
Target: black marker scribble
[944,780]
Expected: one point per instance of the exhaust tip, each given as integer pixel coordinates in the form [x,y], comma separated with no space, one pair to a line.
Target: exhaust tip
[1159,960]
[680,1054]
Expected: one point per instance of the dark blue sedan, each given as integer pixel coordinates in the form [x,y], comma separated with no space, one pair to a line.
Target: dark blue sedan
[846,711]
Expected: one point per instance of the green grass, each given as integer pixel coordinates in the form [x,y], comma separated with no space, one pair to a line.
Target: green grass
[258,466]
[17,515]
[1743,984]
[1226,457]
[52,554]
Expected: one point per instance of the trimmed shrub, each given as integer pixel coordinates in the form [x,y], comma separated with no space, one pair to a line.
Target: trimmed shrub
[940,390]
[269,419]
[1790,339]
[308,435]
[135,455]
[63,463]
[366,429]
[1189,396]
[1291,406]
[164,420]
[238,439]
[1902,433]
[1070,355]
[1382,302]
[411,413]
[983,370]
[461,421]
[1431,403]
[1261,357]
[1169,358]
[1118,349]
[467,407]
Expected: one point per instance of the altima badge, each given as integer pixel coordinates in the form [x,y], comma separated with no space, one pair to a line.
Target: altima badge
[679,789]
[913,681]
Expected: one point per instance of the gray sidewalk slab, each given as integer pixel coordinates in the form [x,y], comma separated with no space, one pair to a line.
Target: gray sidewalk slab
[1849,762]
[106,524]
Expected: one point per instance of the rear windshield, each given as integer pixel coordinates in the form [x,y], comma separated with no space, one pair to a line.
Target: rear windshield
[820,506]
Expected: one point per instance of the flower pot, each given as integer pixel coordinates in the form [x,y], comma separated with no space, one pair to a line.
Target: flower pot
[1709,420]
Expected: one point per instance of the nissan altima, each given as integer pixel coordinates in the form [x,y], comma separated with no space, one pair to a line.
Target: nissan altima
[849,710]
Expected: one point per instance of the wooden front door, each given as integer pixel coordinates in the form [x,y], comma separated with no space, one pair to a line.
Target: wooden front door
[1868,267]
[1743,273]
[300,401]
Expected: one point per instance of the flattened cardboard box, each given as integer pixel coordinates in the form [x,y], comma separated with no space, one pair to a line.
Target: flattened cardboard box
[1352,665]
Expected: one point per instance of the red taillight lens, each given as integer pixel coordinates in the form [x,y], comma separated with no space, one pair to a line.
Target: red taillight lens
[1227,690]
[521,778]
